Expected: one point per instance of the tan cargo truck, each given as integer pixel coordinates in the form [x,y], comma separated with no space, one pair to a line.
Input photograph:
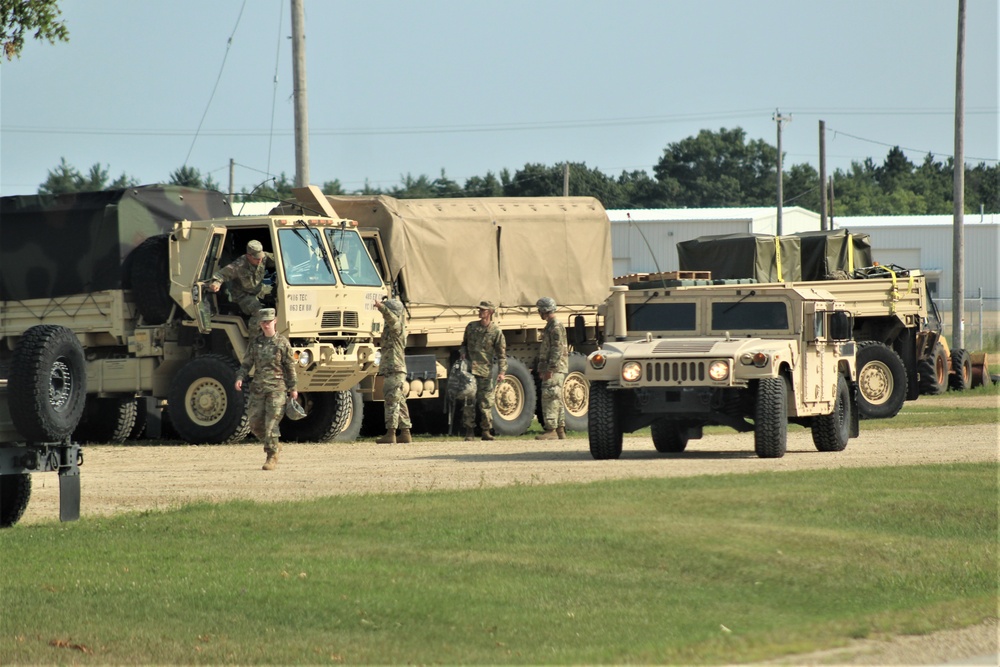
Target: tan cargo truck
[137,302]
[751,357]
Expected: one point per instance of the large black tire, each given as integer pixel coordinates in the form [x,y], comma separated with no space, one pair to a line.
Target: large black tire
[15,491]
[932,372]
[961,364]
[327,413]
[881,381]
[514,400]
[605,432]
[667,437]
[576,393]
[141,418]
[47,387]
[203,403]
[831,432]
[106,420]
[351,428]
[770,431]
[150,277]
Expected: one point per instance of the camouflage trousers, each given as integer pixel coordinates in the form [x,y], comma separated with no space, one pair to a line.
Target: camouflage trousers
[553,412]
[251,305]
[395,388]
[265,409]
[484,403]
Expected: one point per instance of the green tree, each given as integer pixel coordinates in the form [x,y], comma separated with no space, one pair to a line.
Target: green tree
[67,178]
[420,187]
[24,16]
[483,186]
[333,187]
[801,187]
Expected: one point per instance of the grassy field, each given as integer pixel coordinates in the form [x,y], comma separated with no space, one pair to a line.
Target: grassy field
[702,570]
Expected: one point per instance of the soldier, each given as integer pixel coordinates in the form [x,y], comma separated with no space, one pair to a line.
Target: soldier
[553,364]
[483,342]
[393,368]
[270,354]
[245,276]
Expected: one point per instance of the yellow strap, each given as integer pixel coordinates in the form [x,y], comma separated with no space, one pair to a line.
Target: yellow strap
[894,294]
[777,256]
[850,254]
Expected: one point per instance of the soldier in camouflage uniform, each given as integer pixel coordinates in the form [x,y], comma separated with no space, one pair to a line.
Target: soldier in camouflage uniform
[483,342]
[245,276]
[270,354]
[553,364]
[393,368]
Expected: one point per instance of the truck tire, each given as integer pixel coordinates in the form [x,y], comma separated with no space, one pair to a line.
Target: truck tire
[15,491]
[961,364]
[605,433]
[351,428]
[831,432]
[667,436]
[932,372]
[576,393]
[514,400]
[47,387]
[106,420]
[770,431]
[327,413]
[150,276]
[881,381]
[204,405]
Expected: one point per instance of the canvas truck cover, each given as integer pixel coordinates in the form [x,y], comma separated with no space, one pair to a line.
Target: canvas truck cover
[824,252]
[457,252]
[765,258]
[56,245]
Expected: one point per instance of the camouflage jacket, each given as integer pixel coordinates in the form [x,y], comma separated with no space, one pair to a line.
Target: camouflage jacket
[243,277]
[553,353]
[274,363]
[393,342]
[483,345]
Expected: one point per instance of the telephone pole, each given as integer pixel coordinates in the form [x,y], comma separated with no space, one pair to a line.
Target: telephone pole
[779,119]
[299,94]
[823,224]
[958,259]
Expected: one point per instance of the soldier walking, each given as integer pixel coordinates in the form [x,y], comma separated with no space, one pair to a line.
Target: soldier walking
[553,364]
[393,368]
[270,355]
[245,276]
[483,342]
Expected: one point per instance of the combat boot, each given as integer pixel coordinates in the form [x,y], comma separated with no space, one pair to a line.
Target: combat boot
[404,436]
[272,461]
[487,435]
[561,432]
[388,439]
[548,435]
[470,434]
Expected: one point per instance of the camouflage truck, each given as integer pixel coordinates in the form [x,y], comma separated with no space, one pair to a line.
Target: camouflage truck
[751,357]
[443,256]
[126,272]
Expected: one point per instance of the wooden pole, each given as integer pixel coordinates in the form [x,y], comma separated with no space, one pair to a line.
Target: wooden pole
[958,268]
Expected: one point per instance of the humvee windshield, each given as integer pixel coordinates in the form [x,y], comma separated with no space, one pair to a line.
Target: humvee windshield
[749,315]
[661,316]
[352,258]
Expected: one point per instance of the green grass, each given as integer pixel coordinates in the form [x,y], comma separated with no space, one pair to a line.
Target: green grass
[711,569]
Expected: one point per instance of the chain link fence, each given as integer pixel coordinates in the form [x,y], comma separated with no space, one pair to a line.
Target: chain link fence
[981,325]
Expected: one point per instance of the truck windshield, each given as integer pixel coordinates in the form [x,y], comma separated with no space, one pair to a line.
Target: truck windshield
[661,316]
[749,315]
[303,259]
[351,258]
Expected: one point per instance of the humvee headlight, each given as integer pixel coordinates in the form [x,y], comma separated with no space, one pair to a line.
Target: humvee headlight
[305,358]
[718,370]
[598,360]
[631,371]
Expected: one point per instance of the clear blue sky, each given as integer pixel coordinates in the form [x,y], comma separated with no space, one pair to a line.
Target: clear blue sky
[399,88]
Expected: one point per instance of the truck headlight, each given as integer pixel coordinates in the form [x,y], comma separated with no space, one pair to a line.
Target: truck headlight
[758,359]
[718,370]
[305,358]
[631,371]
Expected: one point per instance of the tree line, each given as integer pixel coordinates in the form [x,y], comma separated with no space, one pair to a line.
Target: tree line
[712,169]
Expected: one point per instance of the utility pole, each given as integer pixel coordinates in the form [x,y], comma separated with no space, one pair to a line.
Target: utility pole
[299,94]
[232,165]
[823,225]
[958,270]
[566,179]
[779,119]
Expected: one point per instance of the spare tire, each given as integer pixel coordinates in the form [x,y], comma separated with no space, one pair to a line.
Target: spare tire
[47,387]
[150,276]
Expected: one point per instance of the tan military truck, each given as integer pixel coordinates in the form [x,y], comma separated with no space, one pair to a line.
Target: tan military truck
[751,357]
[443,256]
[149,327]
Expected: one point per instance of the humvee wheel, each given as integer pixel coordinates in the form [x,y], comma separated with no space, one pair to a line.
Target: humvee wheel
[881,381]
[605,431]
[576,394]
[15,491]
[831,432]
[770,432]
[514,400]
[203,402]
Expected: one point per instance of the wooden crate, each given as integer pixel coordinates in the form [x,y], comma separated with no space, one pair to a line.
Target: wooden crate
[631,278]
[681,275]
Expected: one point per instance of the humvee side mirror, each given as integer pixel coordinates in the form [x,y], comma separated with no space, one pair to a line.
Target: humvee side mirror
[841,325]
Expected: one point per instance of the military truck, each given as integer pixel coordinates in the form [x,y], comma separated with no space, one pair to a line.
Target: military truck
[101,266]
[443,256]
[751,357]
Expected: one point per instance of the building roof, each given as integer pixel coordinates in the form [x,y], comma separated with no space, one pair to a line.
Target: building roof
[747,213]
[854,221]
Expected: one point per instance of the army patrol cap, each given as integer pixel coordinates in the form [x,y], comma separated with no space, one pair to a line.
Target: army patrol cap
[267,314]
[546,305]
[487,305]
[255,249]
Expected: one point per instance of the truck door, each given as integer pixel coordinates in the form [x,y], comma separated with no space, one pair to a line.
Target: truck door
[195,249]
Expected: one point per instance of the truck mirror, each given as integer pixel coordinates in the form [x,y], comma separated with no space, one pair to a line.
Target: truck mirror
[579,331]
[841,325]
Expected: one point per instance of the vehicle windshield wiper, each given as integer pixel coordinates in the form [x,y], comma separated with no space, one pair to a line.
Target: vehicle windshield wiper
[319,241]
[748,295]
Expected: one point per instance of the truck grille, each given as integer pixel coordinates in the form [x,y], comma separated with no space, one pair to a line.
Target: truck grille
[333,319]
[675,371]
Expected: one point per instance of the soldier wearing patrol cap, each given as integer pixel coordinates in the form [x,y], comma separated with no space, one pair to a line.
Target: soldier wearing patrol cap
[552,366]
[393,369]
[270,355]
[245,277]
[483,342]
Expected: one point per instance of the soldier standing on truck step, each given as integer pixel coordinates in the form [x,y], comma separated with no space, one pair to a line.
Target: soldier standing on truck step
[553,364]
[483,342]
[245,277]
[270,354]
[393,368]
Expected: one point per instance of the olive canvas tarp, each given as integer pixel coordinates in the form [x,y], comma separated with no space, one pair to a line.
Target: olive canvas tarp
[57,245]
[826,252]
[764,258]
[512,251]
